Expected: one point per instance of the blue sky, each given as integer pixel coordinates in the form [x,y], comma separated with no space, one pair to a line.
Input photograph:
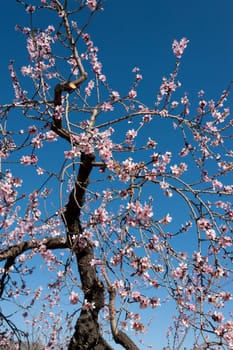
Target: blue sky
[139,33]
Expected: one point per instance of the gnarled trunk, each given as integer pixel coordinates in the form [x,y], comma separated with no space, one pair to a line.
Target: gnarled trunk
[87,332]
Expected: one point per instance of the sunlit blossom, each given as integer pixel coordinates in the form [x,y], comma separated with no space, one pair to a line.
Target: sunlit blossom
[73,298]
[179,47]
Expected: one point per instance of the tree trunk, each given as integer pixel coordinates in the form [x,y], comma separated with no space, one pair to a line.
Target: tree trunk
[87,332]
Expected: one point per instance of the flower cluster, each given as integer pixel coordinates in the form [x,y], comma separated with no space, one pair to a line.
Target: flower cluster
[37,142]
[101,217]
[168,86]
[29,160]
[178,47]
[8,194]
[73,298]
[92,4]
[87,142]
[20,94]
[140,214]
[92,51]
[177,171]
[144,301]
[39,44]
[225,331]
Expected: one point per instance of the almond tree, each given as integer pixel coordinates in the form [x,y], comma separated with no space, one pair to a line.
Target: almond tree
[110,222]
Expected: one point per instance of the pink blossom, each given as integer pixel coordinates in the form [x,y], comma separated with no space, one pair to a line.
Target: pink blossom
[178,170]
[73,298]
[174,104]
[95,262]
[216,184]
[74,67]
[166,220]
[146,118]
[130,135]
[226,331]
[132,94]
[115,95]
[225,241]
[124,325]
[22,258]
[142,213]
[97,66]
[32,129]
[138,326]
[185,100]
[154,302]
[179,47]
[135,70]
[40,171]
[167,86]
[39,46]
[102,77]
[141,265]
[60,274]
[211,234]
[201,93]
[180,272]
[230,214]
[218,317]
[164,185]
[91,4]
[107,195]
[59,110]
[166,157]
[75,152]
[136,296]
[198,257]
[151,143]
[204,224]
[185,320]
[27,70]
[89,88]
[30,9]
[185,150]
[119,284]
[228,189]
[225,296]
[106,106]
[28,160]
[38,292]
[37,141]
[144,303]
[101,216]
[138,77]
[168,193]
[202,105]
[51,136]
[87,305]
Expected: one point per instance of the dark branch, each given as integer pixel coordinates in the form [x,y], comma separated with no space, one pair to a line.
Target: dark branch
[10,254]
[15,250]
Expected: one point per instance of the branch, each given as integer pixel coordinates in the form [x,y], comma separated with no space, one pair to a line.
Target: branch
[71,215]
[87,333]
[68,86]
[119,336]
[11,253]
[17,249]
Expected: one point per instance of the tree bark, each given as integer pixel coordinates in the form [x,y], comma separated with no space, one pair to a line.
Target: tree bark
[87,334]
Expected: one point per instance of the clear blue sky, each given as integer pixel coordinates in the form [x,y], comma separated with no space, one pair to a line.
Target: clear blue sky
[139,33]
